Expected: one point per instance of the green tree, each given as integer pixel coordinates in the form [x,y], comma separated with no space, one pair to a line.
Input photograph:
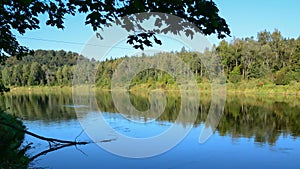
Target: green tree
[17,75]
[266,55]
[235,75]
[248,57]
[26,74]
[6,76]
[49,75]
[264,37]
[59,76]
[3,88]
[67,75]
[276,42]
[100,14]
[226,54]
[36,76]
[283,77]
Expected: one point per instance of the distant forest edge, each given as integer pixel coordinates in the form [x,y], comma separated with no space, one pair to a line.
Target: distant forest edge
[267,62]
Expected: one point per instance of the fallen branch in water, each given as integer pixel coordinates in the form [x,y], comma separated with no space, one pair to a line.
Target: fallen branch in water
[50,150]
[11,127]
[49,140]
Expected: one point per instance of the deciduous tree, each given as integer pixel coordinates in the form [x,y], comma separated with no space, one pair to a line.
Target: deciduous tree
[22,16]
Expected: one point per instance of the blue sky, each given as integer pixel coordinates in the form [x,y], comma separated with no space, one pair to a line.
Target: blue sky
[244,17]
[248,17]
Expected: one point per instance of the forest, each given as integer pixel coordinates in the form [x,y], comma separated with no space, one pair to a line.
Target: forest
[268,59]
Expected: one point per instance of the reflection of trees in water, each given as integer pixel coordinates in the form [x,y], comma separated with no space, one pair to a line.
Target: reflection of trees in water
[39,106]
[264,119]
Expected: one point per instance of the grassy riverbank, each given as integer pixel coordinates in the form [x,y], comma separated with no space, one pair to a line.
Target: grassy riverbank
[41,89]
[254,87]
[245,88]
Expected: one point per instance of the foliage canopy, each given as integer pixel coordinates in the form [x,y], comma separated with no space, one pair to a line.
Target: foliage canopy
[22,16]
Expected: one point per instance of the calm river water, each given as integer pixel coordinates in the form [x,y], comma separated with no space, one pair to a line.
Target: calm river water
[254,132]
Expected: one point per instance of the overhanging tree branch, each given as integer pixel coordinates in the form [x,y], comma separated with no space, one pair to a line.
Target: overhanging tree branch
[24,15]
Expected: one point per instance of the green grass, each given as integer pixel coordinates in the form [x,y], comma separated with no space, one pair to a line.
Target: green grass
[41,89]
[254,87]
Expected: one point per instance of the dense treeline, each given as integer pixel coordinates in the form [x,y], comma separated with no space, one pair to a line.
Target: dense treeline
[269,58]
[45,67]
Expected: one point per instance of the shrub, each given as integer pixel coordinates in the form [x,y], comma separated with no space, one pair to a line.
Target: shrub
[10,141]
[235,75]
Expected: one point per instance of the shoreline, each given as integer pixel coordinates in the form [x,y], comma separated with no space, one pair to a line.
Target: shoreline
[202,88]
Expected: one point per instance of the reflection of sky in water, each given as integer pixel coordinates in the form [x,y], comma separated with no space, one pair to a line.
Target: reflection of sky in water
[217,152]
[55,117]
[135,129]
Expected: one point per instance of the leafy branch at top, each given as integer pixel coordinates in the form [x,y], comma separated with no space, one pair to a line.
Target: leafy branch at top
[22,16]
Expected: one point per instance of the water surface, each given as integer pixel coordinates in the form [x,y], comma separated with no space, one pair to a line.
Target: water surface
[254,132]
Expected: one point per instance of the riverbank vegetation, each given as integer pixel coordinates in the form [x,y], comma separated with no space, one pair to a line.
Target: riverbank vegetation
[12,154]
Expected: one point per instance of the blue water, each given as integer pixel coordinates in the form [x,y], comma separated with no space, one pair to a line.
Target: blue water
[217,152]
[253,133]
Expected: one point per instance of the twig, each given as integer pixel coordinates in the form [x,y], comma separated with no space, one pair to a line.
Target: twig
[50,140]
[81,151]
[49,150]
[56,143]
[79,134]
